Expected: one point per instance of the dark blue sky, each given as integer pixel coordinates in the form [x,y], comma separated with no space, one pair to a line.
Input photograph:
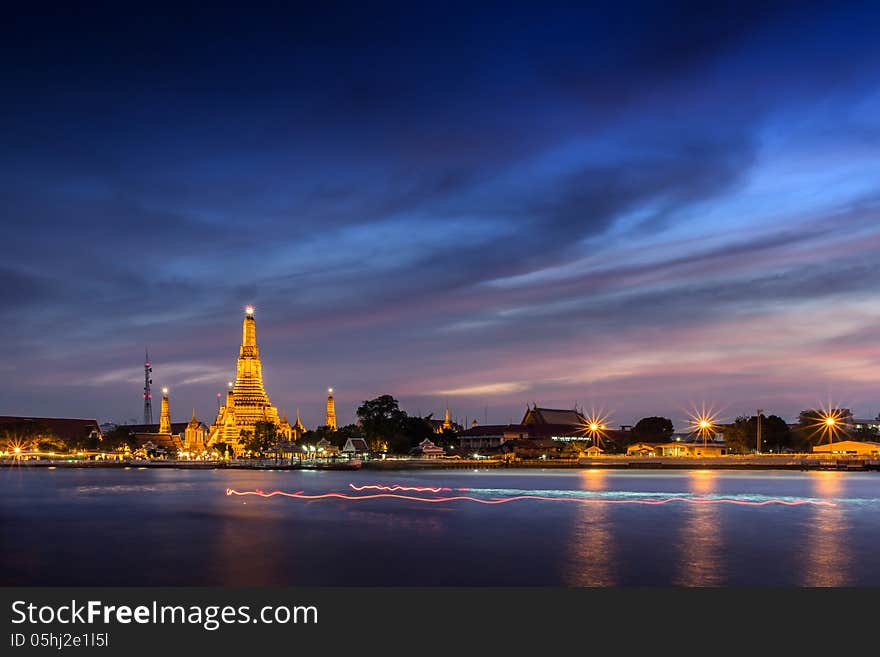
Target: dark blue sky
[640,207]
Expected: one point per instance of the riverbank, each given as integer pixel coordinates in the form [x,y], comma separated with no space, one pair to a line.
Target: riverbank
[731,462]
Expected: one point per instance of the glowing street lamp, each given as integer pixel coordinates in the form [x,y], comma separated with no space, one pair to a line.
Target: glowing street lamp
[829,422]
[703,423]
[595,427]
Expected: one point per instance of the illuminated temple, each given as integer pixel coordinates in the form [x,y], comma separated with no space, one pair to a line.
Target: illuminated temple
[246,401]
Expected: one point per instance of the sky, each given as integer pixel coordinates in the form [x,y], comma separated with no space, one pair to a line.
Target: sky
[641,208]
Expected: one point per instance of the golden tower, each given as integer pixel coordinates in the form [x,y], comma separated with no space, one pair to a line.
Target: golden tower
[331,411]
[299,428]
[246,401]
[284,428]
[194,436]
[446,423]
[165,418]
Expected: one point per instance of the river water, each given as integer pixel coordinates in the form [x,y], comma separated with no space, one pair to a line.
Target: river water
[593,528]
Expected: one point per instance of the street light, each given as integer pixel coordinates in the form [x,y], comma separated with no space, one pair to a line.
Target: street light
[595,426]
[758,449]
[703,423]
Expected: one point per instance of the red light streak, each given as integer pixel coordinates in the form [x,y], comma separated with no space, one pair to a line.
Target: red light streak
[299,495]
[392,489]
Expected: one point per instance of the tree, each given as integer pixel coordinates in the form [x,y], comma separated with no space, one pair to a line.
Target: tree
[342,434]
[120,438]
[812,429]
[656,429]
[383,422]
[263,440]
[416,429]
[742,436]
[447,438]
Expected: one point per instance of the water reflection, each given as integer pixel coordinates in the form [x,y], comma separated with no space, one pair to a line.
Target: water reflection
[592,558]
[248,546]
[701,552]
[827,555]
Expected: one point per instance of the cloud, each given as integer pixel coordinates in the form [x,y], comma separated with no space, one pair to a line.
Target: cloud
[487,389]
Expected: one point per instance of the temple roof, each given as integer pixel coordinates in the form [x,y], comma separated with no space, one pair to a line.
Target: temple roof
[64,428]
[570,417]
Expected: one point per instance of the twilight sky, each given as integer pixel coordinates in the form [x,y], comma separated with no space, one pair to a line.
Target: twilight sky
[638,207]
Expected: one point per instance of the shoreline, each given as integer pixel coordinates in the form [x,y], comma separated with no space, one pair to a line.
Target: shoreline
[742,463]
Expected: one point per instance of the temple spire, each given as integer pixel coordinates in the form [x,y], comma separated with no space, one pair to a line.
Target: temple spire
[165,418]
[331,410]
[246,400]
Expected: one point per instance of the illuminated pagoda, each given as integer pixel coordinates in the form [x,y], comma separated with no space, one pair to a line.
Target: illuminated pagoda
[298,428]
[331,411]
[246,401]
[285,431]
[445,424]
[161,442]
[289,431]
[165,418]
[194,436]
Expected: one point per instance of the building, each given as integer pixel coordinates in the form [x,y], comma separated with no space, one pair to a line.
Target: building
[70,430]
[325,448]
[680,448]
[194,437]
[355,446]
[177,429]
[298,427]
[562,417]
[495,435]
[642,449]
[157,444]
[849,448]
[866,425]
[330,420]
[285,430]
[429,450]
[246,401]
[530,448]
[561,425]
[162,442]
[165,417]
[446,424]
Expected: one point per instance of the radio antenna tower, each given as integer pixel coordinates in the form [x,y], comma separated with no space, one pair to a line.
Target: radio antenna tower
[148,396]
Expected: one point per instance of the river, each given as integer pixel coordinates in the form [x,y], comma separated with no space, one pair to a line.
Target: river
[589,528]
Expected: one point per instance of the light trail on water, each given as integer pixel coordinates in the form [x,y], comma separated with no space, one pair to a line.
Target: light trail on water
[300,495]
[395,488]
